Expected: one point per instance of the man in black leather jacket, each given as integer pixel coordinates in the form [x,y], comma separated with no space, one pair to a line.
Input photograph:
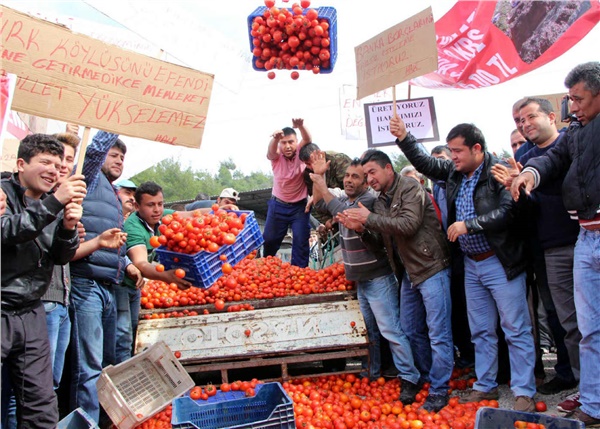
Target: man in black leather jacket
[480,217]
[34,237]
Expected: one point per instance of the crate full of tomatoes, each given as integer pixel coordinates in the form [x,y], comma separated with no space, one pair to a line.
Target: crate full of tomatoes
[200,245]
[299,37]
[271,407]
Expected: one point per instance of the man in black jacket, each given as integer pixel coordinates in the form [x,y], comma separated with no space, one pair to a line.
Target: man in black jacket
[34,238]
[480,217]
[577,157]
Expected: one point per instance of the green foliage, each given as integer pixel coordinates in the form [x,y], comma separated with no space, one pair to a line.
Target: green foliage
[184,184]
[399,161]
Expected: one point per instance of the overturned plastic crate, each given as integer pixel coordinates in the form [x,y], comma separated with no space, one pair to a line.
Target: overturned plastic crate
[142,386]
[204,268]
[271,408]
[78,419]
[496,418]
[326,12]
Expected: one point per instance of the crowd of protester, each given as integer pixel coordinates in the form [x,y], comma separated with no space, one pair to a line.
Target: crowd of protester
[448,275]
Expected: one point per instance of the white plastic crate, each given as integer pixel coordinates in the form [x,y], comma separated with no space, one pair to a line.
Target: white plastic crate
[142,386]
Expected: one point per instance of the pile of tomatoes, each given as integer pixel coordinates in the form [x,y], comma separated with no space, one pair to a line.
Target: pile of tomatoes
[346,401]
[290,38]
[262,278]
[160,420]
[202,231]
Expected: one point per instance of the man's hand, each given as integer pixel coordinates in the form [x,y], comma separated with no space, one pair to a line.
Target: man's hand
[456,230]
[229,207]
[2,202]
[172,278]
[297,122]
[277,135]
[112,238]
[349,223]
[397,128]
[134,274]
[72,189]
[72,215]
[72,128]
[309,204]
[523,180]
[318,162]
[81,232]
[505,175]
[360,214]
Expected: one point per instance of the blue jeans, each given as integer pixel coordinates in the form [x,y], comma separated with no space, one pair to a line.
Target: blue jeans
[489,294]
[280,217]
[425,312]
[127,301]
[93,340]
[378,301]
[59,334]
[586,279]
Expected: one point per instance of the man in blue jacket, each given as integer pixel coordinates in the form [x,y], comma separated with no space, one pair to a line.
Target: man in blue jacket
[95,276]
[35,237]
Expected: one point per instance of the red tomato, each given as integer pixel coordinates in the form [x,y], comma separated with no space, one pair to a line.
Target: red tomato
[154,241]
[225,387]
[247,332]
[210,390]
[195,393]
[229,238]
[227,268]
[305,3]
[540,406]
[295,75]
[177,354]
[179,273]
[269,3]
[219,304]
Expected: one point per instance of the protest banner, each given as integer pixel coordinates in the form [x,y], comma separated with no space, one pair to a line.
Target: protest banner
[398,54]
[74,78]
[418,115]
[7,90]
[484,43]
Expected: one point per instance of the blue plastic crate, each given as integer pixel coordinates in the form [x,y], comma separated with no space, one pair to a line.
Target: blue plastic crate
[326,12]
[78,419]
[270,408]
[496,418]
[204,268]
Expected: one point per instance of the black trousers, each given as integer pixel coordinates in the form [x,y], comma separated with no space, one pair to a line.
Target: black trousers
[26,360]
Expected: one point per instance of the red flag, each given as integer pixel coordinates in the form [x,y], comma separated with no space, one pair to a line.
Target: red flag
[484,43]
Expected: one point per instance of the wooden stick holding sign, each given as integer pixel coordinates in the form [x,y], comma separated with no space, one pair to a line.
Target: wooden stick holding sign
[394,112]
[82,150]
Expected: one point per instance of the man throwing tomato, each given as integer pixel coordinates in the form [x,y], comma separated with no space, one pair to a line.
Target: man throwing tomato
[286,206]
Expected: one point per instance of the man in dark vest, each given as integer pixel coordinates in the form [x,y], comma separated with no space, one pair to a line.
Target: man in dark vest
[95,276]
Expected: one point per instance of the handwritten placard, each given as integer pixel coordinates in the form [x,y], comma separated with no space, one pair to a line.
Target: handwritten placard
[75,78]
[418,115]
[10,148]
[402,52]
